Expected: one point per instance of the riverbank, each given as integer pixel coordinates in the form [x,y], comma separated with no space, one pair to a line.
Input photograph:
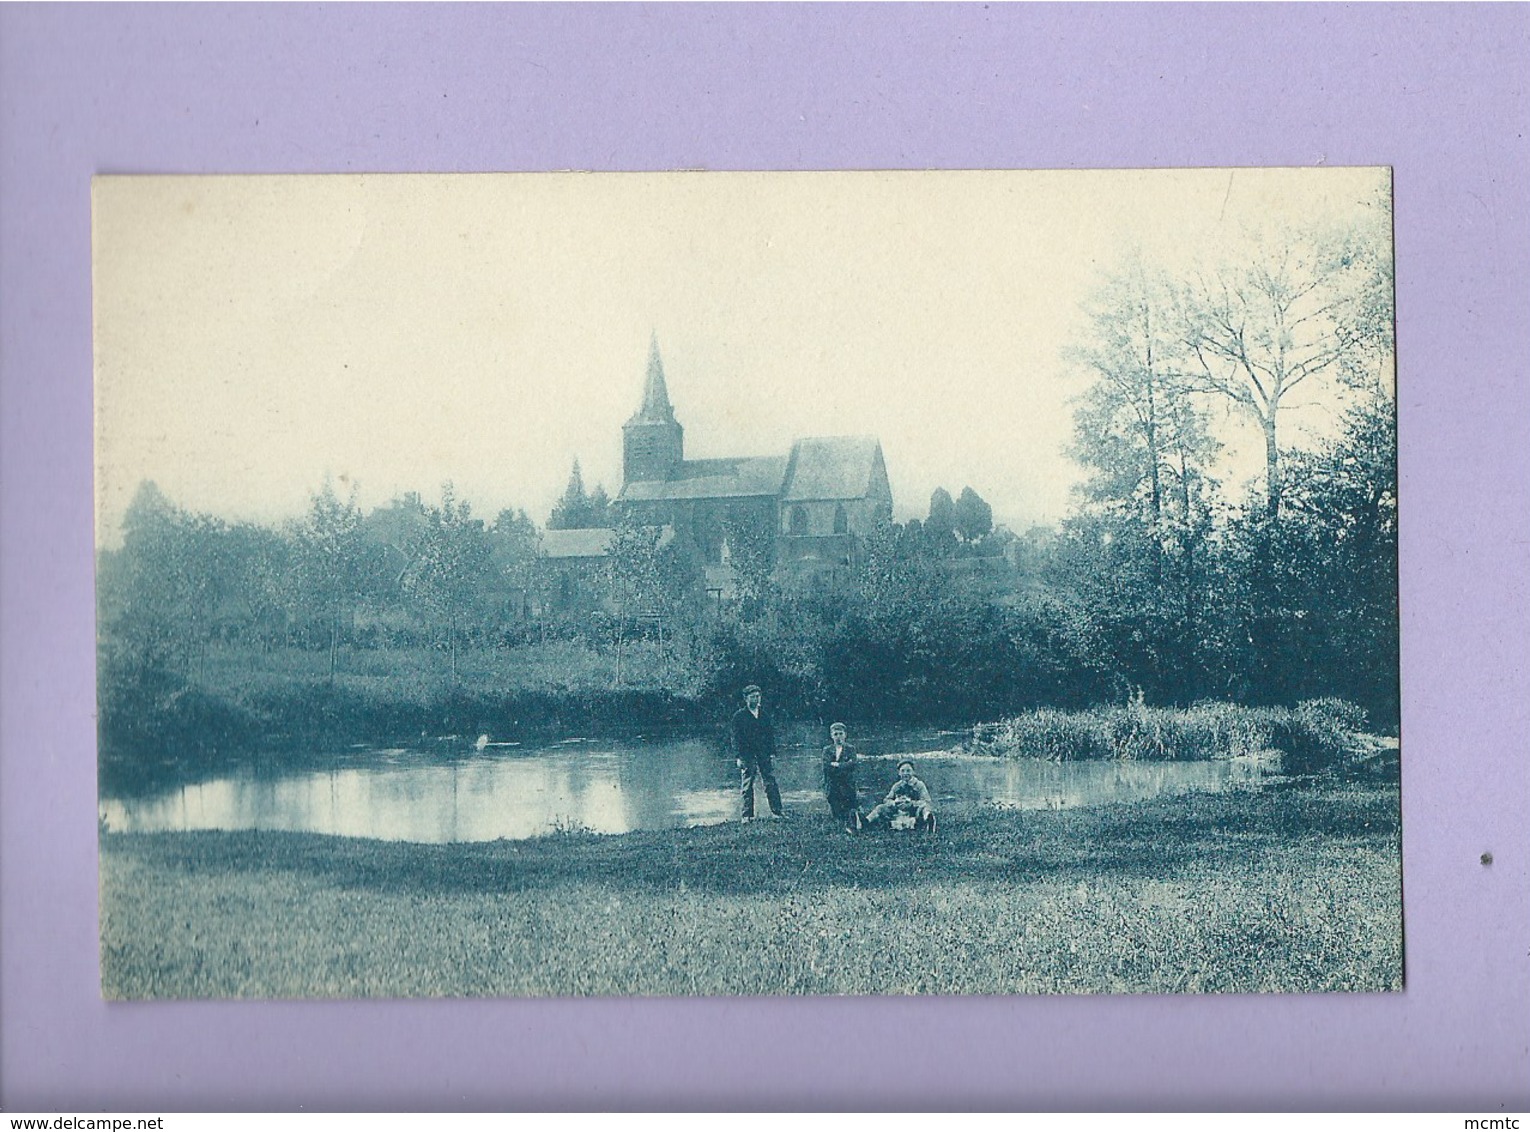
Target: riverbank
[283,706]
[1291,888]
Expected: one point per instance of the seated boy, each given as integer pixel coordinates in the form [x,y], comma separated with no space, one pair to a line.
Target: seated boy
[908,798]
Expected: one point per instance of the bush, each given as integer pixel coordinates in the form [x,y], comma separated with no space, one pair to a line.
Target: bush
[150,715]
[1319,734]
[1333,714]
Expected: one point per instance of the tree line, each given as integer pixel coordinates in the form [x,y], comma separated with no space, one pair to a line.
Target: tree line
[1163,584]
[1193,587]
[406,573]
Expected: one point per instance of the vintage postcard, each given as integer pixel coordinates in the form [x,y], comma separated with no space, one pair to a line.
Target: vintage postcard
[940,583]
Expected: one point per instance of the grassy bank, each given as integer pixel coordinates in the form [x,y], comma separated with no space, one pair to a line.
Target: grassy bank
[1284,889]
[236,701]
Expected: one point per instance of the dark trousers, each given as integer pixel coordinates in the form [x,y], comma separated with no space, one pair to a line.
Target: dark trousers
[842,800]
[766,773]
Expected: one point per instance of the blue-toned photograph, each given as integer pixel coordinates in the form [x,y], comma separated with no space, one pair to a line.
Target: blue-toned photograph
[884,583]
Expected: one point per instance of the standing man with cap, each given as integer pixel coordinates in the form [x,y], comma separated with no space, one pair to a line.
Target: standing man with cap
[754,748]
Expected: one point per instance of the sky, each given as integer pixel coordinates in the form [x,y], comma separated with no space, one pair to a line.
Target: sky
[255,336]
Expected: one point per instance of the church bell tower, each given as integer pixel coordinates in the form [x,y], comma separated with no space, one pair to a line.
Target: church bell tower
[653,442]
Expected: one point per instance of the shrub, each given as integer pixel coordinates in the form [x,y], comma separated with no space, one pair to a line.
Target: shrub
[1333,713]
[1319,734]
[149,715]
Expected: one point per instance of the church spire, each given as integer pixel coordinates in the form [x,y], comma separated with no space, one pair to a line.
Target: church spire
[653,443]
[656,406]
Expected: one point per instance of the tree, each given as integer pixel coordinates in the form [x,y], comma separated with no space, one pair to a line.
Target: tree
[601,512]
[636,580]
[1301,308]
[337,564]
[1138,412]
[942,516]
[513,549]
[1330,606]
[973,517]
[265,581]
[1367,246]
[169,580]
[451,568]
[751,553]
[940,526]
[1135,548]
[578,509]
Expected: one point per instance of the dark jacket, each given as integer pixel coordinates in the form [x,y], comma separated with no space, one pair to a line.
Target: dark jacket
[844,773]
[753,739]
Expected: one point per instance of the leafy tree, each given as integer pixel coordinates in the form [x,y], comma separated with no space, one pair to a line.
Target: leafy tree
[337,563]
[1366,250]
[1326,615]
[168,582]
[1137,422]
[972,516]
[577,509]
[601,511]
[682,580]
[896,576]
[942,516]
[1136,548]
[265,584]
[451,568]
[513,549]
[752,554]
[636,581]
[940,525]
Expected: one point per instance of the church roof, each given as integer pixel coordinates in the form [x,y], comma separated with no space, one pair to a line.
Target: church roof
[590,542]
[833,467]
[712,479]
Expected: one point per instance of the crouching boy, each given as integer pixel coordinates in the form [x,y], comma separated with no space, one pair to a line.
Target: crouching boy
[909,797]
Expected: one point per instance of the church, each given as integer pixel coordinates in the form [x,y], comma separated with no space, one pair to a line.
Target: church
[809,509]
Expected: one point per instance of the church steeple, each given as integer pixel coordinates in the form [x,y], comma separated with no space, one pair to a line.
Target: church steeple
[653,442]
[656,406]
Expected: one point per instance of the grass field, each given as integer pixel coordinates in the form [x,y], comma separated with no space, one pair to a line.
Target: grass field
[1292,888]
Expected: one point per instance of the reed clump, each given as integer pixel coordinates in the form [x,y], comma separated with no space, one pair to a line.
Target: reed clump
[1313,736]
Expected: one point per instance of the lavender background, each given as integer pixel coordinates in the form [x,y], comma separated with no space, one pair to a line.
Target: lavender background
[1430,90]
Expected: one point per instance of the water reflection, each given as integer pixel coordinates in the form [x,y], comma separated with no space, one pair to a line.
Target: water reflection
[514,793]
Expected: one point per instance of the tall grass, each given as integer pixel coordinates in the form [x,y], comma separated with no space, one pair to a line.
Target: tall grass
[1309,737]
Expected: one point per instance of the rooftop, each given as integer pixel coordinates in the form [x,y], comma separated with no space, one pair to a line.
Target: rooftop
[588,542]
[712,479]
[833,467]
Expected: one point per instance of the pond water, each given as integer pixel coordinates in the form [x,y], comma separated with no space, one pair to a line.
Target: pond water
[506,791]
